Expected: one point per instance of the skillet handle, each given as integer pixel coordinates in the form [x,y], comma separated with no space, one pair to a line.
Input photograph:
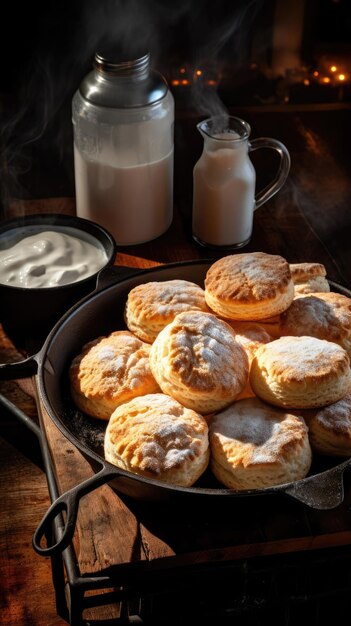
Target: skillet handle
[323,491]
[67,502]
[113,274]
[20,369]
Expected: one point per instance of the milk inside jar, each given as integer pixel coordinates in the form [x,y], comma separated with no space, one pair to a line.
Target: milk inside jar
[224,191]
[123,116]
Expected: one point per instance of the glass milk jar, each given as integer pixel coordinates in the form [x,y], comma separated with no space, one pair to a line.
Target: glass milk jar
[123,118]
[224,179]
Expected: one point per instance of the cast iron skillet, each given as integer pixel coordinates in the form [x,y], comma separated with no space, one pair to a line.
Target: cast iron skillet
[99,314]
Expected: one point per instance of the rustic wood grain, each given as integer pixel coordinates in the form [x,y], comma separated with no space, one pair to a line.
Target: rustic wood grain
[309,220]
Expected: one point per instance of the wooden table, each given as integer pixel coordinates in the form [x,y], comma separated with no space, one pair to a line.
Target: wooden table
[309,220]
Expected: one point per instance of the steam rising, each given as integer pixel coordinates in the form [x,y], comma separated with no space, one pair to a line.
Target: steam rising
[221,35]
[41,125]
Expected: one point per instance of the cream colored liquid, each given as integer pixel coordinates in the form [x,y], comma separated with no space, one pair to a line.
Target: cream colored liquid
[50,259]
[224,196]
[135,204]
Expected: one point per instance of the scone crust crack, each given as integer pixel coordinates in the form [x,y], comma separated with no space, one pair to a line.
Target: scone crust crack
[157,437]
[254,445]
[197,360]
[248,278]
[165,299]
[322,315]
[301,272]
[273,444]
[111,364]
[152,305]
[300,372]
[314,359]
[336,418]
[197,348]
[111,370]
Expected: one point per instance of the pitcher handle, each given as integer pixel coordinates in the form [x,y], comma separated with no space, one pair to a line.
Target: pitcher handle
[283,170]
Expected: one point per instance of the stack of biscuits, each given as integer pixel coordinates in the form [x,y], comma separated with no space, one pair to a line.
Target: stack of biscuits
[248,375]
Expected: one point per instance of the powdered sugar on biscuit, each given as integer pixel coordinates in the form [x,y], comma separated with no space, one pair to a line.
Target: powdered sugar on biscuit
[250,433]
[300,357]
[256,433]
[337,416]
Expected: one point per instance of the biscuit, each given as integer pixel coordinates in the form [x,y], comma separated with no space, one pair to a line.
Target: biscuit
[251,286]
[254,446]
[109,371]
[322,315]
[197,361]
[272,326]
[153,305]
[156,437]
[300,372]
[309,278]
[330,429]
[251,336]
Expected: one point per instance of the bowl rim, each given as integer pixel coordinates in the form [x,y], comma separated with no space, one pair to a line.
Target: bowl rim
[62,220]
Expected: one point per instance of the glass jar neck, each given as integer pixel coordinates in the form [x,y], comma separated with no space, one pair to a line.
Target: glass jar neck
[136,68]
[121,81]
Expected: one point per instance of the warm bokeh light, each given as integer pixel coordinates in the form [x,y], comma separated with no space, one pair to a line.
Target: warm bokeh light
[333,68]
[185,82]
[306,82]
[316,73]
[341,77]
[182,70]
[326,79]
[175,82]
[198,72]
[212,82]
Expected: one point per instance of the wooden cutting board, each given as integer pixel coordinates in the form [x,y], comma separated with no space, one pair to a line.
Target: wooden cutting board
[113,530]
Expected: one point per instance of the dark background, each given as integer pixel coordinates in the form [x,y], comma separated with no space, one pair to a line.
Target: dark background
[49,46]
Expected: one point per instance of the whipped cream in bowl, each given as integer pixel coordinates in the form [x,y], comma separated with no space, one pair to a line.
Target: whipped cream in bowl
[50,258]
[48,262]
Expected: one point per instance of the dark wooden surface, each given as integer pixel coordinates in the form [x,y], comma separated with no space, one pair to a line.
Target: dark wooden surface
[309,220]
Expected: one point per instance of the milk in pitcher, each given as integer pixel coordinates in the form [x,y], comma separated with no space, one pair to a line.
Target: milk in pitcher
[224,181]
[224,192]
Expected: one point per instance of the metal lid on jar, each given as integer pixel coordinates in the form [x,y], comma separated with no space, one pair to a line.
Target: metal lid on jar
[123,79]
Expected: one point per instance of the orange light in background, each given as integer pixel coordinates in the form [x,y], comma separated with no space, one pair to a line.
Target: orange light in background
[333,68]
[175,82]
[185,82]
[212,82]
[182,70]
[316,73]
[326,80]
[306,82]
[341,77]
[198,72]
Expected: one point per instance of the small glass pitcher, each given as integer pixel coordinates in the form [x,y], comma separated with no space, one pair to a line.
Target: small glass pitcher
[224,198]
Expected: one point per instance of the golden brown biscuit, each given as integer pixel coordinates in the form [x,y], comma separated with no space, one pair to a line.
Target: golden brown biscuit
[156,437]
[197,361]
[272,326]
[322,315]
[251,286]
[330,428]
[254,446]
[251,336]
[309,278]
[109,371]
[300,372]
[153,305]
